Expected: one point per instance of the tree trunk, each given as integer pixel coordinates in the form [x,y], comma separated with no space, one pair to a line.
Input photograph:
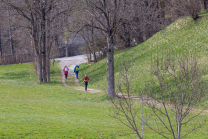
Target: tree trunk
[110,67]
[179,130]
[4,60]
[66,51]
[90,53]
[0,43]
[127,39]
[48,69]
[10,33]
[95,57]
[57,46]
[39,67]
[93,44]
[205,4]
[43,24]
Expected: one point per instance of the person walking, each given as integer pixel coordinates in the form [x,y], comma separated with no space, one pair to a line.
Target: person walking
[65,70]
[86,79]
[76,70]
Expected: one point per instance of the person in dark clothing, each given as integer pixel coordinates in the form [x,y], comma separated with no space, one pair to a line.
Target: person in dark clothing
[86,79]
[76,70]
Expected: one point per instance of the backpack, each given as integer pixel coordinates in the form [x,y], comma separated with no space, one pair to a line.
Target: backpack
[66,69]
[76,69]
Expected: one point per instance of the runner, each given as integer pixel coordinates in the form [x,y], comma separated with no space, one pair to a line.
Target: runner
[76,70]
[65,70]
[86,79]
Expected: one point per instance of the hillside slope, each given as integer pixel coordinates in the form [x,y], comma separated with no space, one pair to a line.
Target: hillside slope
[184,35]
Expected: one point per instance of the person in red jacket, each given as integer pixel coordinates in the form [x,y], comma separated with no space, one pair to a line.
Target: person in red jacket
[86,79]
[65,70]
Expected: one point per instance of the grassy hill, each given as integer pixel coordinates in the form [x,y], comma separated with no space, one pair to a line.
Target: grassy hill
[184,35]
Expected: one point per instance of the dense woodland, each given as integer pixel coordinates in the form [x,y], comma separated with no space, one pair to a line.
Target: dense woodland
[37,29]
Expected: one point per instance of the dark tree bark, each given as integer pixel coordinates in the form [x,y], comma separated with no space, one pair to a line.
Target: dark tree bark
[110,66]
[93,44]
[43,30]
[0,43]
[39,67]
[204,4]
[10,33]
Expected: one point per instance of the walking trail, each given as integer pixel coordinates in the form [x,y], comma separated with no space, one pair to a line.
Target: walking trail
[71,62]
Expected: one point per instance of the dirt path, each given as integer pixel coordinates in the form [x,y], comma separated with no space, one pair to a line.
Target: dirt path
[71,62]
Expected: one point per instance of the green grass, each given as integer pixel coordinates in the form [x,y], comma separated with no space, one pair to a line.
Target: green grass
[32,110]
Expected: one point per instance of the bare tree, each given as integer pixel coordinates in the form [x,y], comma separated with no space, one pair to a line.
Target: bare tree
[95,43]
[179,88]
[122,22]
[56,30]
[10,32]
[6,31]
[35,14]
[95,39]
[0,34]
[175,92]
[141,20]
[0,42]
[107,15]
[127,110]
[179,8]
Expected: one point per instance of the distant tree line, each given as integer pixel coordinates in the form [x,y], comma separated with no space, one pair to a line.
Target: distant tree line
[39,24]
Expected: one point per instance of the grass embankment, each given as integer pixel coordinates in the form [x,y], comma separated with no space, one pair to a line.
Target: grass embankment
[184,35]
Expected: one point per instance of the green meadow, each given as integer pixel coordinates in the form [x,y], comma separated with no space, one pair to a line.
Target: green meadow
[32,110]
[29,109]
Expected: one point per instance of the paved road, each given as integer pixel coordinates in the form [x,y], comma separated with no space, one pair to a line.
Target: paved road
[72,61]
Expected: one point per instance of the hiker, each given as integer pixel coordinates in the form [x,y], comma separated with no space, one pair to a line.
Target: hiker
[65,70]
[86,79]
[76,70]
